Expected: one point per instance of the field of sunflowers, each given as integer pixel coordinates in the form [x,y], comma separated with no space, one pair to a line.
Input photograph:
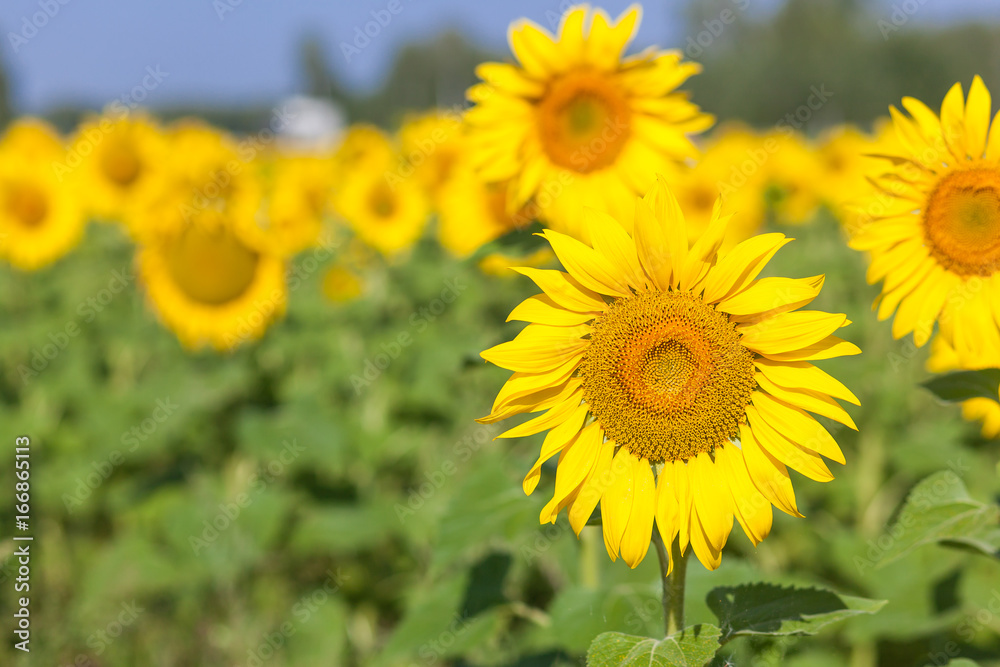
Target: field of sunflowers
[572,373]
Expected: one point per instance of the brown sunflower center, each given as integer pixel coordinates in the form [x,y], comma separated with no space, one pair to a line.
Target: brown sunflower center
[120,163]
[381,200]
[666,375]
[211,267]
[27,204]
[962,221]
[583,121]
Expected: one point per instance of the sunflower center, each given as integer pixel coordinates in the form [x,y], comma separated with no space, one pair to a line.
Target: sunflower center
[962,221]
[211,267]
[666,375]
[27,204]
[583,121]
[381,200]
[120,164]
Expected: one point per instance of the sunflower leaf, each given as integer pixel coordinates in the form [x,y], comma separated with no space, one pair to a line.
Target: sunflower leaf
[692,647]
[963,385]
[768,609]
[939,509]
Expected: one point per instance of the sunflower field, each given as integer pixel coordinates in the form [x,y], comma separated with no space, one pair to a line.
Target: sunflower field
[670,356]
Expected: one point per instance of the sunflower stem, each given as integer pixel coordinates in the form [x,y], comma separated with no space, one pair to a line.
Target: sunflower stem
[673,583]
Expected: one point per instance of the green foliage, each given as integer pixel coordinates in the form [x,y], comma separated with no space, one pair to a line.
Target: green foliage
[939,509]
[964,385]
[692,647]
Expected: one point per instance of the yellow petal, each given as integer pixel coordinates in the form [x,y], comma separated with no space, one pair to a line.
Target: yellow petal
[769,475]
[611,240]
[977,117]
[555,442]
[790,331]
[652,247]
[667,510]
[752,509]
[593,488]
[803,375]
[828,348]
[565,290]
[555,415]
[772,295]
[670,219]
[616,503]
[639,532]
[713,504]
[585,264]
[539,348]
[797,426]
[741,265]
[806,462]
[577,460]
[541,309]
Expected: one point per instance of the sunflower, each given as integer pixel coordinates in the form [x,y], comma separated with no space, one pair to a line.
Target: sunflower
[842,164]
[389,214]
[119,160]
[943,359]
[576,124]
[210,285]
[676,386]
[41,217]
[205,169]
[431,145]
[296,198]
[932,224]
[793,173]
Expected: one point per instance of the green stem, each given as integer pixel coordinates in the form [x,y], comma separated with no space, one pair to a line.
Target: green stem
[673,584]
[590,575]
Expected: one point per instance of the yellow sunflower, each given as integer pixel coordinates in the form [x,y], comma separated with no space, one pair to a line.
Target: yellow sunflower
[932,224]
[471,213]
[120,161]
[793,174]
[389,214]
[576,123]
[210,285]
[944,359]
[41,216]
[431,146]
[842,165]
[676,385]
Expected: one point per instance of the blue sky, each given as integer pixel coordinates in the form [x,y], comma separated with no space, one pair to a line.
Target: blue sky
[92,51]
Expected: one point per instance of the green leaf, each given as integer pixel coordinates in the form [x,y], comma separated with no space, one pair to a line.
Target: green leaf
[939,509]
[693,647]
[767,609]
[963,385]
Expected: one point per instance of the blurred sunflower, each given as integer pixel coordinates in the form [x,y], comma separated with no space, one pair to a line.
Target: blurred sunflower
[729,169]
[676,385]
[500,264]
[842,164]
[205,169]
[41,216]
[575,124]
[943,359]
[387,214]
[933,224]
[431,146]
[472,213]
[296,198]
[210,284]
[793,173]
[120,163]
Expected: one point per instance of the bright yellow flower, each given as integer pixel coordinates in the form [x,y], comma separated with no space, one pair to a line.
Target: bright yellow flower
[41,216]
[943,359]
[341,284]
[120,161]
[843,163]
[205,170]
[431,146]
[932,224]
[386,213]
[296,198]
[575,124]
[675,384]
[210,285]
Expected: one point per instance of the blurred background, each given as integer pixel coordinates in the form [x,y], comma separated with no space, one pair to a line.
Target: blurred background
[296,501]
